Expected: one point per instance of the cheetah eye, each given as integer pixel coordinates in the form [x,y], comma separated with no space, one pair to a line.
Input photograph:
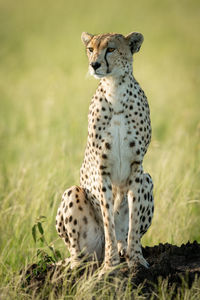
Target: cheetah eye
[110,50]
[90,49]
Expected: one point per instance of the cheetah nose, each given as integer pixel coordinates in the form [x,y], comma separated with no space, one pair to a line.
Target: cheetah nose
[95,65]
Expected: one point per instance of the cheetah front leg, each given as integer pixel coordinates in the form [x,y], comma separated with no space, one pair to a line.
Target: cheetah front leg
[134,249]
[107,208]
[122,225]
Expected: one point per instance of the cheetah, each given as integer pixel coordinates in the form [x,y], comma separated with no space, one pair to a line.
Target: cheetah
[107,215]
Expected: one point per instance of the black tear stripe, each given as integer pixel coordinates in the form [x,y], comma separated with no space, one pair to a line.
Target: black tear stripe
[107,64]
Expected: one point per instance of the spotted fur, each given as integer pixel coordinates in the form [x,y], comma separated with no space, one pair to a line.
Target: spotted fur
[113,207]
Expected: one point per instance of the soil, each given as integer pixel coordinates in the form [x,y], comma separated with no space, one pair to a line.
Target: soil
[176,264]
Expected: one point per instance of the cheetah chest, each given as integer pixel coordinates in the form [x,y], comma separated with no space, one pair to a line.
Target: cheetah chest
[120,155]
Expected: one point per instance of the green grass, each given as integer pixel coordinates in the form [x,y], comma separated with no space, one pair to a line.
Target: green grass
[44,99]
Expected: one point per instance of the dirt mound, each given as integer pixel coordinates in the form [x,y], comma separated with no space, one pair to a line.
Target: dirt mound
[170,262]
[166,261]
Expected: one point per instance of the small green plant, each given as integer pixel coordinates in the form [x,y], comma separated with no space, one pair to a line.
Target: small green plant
[38,235]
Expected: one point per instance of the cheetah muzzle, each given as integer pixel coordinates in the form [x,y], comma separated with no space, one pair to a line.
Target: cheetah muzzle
[109,212]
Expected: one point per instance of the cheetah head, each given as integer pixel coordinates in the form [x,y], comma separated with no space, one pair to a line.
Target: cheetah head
[111,54]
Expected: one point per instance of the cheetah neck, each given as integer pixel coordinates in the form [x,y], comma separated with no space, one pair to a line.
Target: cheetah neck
[118,89]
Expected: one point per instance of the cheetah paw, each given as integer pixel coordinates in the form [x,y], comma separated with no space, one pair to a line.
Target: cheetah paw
[121,249]
[143,262]
[138,261]
[122,253]
[107,270]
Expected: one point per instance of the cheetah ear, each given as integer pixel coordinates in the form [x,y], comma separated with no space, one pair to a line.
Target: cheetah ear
[86,37]
[135,41]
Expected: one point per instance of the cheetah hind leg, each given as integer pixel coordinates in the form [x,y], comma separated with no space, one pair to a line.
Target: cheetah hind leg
[146,209]
[77,225]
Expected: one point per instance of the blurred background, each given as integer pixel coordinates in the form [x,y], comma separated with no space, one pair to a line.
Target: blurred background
[44,99]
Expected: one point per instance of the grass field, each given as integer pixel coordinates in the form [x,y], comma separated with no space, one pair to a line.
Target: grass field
[44,99]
